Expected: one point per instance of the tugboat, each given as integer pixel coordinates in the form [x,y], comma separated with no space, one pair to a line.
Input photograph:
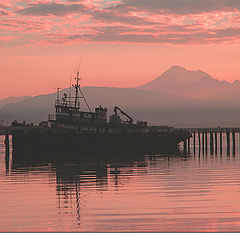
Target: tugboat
[73,131]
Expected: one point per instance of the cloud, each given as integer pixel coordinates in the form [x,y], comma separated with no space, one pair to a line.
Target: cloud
[182,6]
[4,4]
[3,13]
[127,21]
[7,38]
[51,8]
[25,25]
[162,35]
[123,17]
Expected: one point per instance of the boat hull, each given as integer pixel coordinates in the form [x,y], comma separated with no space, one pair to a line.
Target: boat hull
[49,142]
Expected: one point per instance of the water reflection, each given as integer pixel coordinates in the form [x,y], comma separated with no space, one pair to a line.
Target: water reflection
[154,193]
[72,174]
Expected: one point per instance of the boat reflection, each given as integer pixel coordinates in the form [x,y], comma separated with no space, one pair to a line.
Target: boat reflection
[76,177]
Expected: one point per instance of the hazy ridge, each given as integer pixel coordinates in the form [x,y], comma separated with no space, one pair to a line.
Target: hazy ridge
[9,100]
[178,97]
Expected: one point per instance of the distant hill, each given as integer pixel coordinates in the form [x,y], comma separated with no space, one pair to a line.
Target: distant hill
[131,100]
[178,80]
[158,108]
[34,108]
[5,101]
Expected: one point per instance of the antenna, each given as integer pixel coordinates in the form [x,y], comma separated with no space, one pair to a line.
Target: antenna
[70,92]
[58,95]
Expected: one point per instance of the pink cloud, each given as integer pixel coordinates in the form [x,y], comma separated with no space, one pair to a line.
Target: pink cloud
[52,8]
[7,38]
[136,21]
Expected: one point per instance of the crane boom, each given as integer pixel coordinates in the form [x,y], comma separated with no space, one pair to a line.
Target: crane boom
[130,120]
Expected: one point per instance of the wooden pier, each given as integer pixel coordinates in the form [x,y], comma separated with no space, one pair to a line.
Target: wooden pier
[207,139]
[215,137]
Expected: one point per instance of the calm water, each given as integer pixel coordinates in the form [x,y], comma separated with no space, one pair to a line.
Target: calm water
[198,192]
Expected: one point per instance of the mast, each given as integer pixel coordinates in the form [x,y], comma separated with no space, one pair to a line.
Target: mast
[77,87]
[77,90]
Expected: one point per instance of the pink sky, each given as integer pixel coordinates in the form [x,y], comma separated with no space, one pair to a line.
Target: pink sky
[120,43]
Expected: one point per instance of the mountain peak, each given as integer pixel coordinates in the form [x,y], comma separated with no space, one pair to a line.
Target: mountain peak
[180,75]
[179,80]
[188,74]
[177,68]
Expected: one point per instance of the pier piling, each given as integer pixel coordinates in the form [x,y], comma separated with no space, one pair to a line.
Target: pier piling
[188,144]
[7,143]
[233,142]
[216,138]
[7,151]
[206,142]
[220,143]
[216,142]
[199,140]
[228,142]
[203,142]
[185,146]
[194,142]
[211,142]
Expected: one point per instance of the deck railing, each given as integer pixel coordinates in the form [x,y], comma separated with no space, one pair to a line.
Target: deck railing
[51,117]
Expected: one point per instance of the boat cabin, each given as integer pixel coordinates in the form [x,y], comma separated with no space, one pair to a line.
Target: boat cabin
[68,109]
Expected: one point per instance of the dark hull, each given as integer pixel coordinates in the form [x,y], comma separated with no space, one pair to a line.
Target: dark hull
[86,143]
